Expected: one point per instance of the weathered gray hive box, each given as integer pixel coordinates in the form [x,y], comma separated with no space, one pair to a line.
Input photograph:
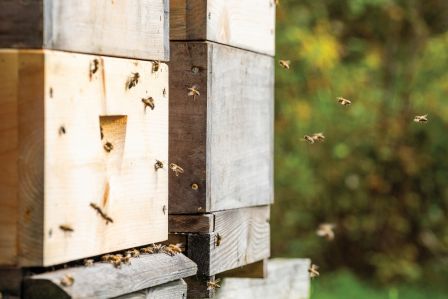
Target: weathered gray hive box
[135,29]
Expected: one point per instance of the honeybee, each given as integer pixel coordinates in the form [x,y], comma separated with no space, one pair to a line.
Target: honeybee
[313,271]
[149,102]
[193,92]
[67,280]
[285,64]
[132,80]
[218,240]
[213,284]
[88,262]
[421,118]
[93,68]
[326,230]
[155,66]
[344,102]
[174,249]
[106,258]
[133,252]
[158,165]
[308,139]
[147,250]
[319,137]
[108,147]
[176,168]
[61,130]
[66,228]
[126,259]
[158,248]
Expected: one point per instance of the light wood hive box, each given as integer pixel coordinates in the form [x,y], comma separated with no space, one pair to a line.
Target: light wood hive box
[75,132]
[136,29]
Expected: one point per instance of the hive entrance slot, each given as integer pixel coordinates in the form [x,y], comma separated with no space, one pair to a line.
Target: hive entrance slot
[113,136]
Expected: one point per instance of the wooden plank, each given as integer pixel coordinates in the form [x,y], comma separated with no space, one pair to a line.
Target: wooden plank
[198,287]
[254,270]
[21,24]
[66,117]
[103,280]
[9,144]
[11,280]
[191,223]
[223,138]
[240,237]
[171,290]
[135,29]
[287,279]
[248,24]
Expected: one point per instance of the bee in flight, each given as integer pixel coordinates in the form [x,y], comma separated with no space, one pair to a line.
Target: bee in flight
[421,118]
[326,230]
[193,91]
[344,102]
[149,102]
[313,271]
[285,64]
[213,284]
[176,168]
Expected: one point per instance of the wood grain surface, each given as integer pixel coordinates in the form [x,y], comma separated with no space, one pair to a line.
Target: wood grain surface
[67,113]
[223,138]
[103,280]
[248,24]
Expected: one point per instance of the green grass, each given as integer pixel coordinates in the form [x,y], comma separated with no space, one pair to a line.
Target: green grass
[344,285]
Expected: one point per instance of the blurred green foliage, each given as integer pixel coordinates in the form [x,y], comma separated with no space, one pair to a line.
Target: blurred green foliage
[343,285]
[379,176]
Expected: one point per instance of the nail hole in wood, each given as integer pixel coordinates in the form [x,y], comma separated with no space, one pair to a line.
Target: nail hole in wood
[194,186]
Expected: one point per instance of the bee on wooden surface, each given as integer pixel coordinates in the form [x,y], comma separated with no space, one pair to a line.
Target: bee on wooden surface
[213,284]
[344,102]
[88,262]
[93,68]
[174,249]
[66,228]
[132,80]
[158,248]
[106,257]
[61,130]
[158,165]
[133,252]
[67,280]
[421,118]
[308,139]
[108,147]
[313,271]
[149,102]
[326,230]
[176,168]
[218,240]
[319,137]
[155,66]
[285,64]
[126,259]
[147,250]
[193,91]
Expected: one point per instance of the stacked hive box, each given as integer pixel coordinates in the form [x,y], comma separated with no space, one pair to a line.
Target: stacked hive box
[221,131]
[82,130]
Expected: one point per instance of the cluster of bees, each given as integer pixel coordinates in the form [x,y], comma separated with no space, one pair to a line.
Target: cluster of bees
[119,259]
[326,230]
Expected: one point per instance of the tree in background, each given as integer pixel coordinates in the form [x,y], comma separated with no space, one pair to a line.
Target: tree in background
[379,176]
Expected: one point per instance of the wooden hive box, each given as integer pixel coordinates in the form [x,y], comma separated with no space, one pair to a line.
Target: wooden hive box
[222,136]
[136,29]
[78,149]
[245,24]
[225,240]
